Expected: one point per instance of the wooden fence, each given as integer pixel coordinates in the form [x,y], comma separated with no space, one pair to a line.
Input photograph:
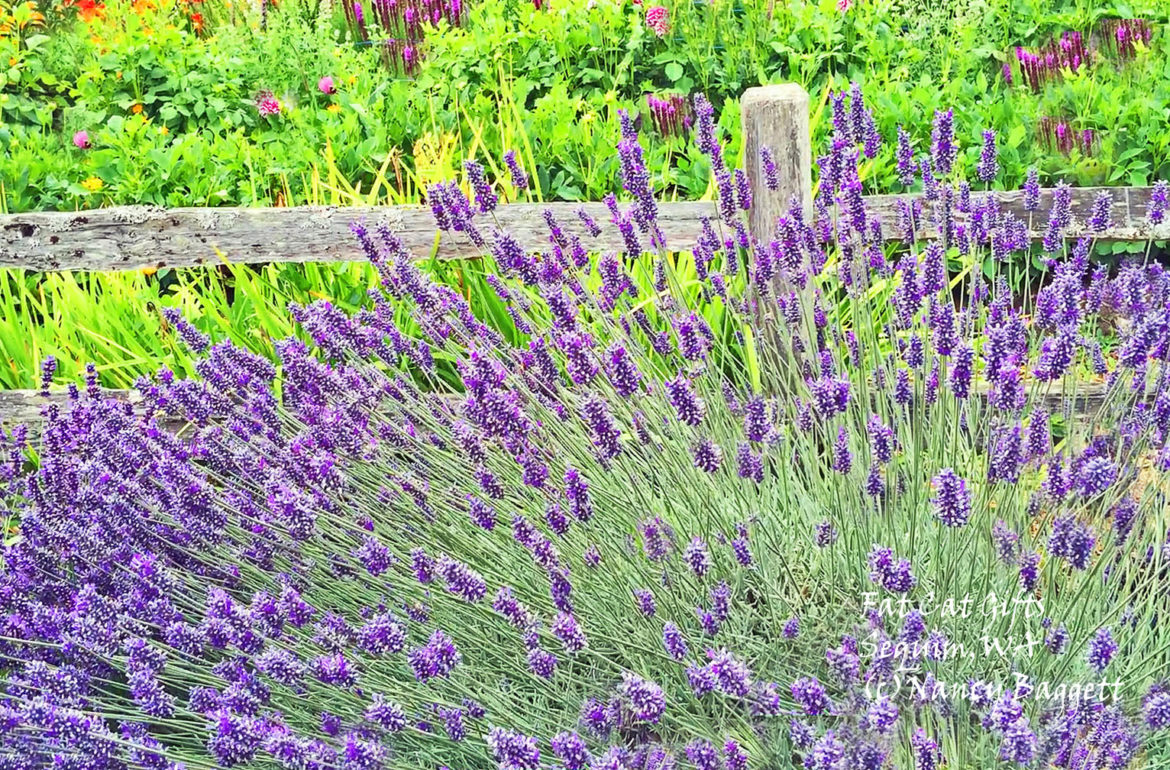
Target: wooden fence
[147,237]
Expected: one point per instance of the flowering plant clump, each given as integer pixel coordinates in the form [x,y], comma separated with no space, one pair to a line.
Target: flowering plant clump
[670,114]
[1126,36]
[1047,63]
[1060,135]
[658,20]
[267,105]
[851,517]
[399,27]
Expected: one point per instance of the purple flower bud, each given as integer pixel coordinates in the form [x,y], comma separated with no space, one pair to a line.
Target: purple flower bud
[1159,202]
[952,500]
[988,167]
[697,557]
[810,695]
[674,642]
[519,177]
[943,149]
[771,175]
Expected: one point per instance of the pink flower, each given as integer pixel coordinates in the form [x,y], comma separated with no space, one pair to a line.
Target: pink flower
[658,19]
[81,140]
[326,86]
[844,5]
[267,104]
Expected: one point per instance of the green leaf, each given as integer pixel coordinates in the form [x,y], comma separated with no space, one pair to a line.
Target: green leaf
[674,71]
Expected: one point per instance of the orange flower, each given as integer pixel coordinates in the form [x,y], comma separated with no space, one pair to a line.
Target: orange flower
[136,109]
[88,10]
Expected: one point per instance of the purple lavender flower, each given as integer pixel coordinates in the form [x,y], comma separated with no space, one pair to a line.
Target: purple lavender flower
[644,698]
[461,580]
[482,514]
[881,715]
[888,571]
[721,601]
[688,407]
[701,680]
[756,425]
[1101,217]
[988,167]
[825,534]
[606,434]
[1029,563]
[741,549]
[577,493]
[943,149]
[1056,640]
[927,754]
[952,500]
[485,196]
[810,695]
[1159,202]
[734,757]
[519,177]
[1156,706]
[513,750]
[646,603]
[842,459]
[570,748]
[437,658]
[1006,541]
[622,372]
[697,557]
[1102,648]
[768,164]
[881,440]
[1071,540]
[791,628]
[750,465]
[542,663]
[703,755]
[566,628]
[387,715]
[1032,190]
[708,455]
[1096,475]
[674,642]
[1019,743]
[656,538]
[906,167]
[962,370]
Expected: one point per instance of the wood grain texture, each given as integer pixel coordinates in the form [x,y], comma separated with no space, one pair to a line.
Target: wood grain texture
[24,407]
[141,237]
[776,117]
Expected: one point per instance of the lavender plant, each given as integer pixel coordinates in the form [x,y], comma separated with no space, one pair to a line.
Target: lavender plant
[632,540]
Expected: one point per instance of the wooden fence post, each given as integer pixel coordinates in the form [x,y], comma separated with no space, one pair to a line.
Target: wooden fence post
[776,117]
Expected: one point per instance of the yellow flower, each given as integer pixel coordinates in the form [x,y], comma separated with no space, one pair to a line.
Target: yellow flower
[334,107]
[351,79]
[93,184]
[163,131]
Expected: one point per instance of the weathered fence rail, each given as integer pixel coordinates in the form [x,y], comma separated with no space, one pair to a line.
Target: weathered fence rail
[141,237]
[146,237]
